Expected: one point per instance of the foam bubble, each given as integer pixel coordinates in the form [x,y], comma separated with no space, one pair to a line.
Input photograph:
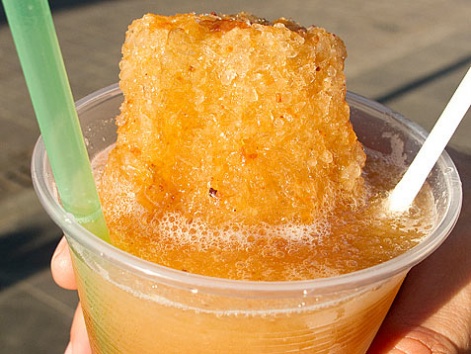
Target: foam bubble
[179,231]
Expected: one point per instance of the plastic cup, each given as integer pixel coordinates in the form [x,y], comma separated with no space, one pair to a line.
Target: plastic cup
[133,306]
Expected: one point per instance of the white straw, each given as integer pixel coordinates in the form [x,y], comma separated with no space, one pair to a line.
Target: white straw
[407,189]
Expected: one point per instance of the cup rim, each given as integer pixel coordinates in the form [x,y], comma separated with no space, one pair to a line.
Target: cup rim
[371,275]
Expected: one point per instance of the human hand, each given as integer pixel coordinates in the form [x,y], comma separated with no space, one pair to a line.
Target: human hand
[431,314]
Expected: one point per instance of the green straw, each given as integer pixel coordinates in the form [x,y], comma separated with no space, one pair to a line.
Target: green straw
[40,57]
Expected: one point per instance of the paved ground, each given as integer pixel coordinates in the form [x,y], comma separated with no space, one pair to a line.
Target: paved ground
[409,55]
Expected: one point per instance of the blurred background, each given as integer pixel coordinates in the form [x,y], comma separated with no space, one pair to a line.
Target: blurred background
[409,55]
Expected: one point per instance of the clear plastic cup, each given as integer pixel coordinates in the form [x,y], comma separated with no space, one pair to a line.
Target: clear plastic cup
[133,306]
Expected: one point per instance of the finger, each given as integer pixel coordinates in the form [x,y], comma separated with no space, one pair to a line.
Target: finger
[422,319]
[79,343]
[431,313]
[61,266]
[419,340]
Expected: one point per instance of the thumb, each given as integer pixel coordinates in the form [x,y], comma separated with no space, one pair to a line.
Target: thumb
[410,340]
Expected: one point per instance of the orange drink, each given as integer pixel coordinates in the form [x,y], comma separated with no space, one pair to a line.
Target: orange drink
[132,305]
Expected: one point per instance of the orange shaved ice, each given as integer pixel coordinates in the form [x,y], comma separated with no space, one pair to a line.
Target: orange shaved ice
[230,122]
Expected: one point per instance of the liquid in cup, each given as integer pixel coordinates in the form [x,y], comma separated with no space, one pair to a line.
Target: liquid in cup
[133,306]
